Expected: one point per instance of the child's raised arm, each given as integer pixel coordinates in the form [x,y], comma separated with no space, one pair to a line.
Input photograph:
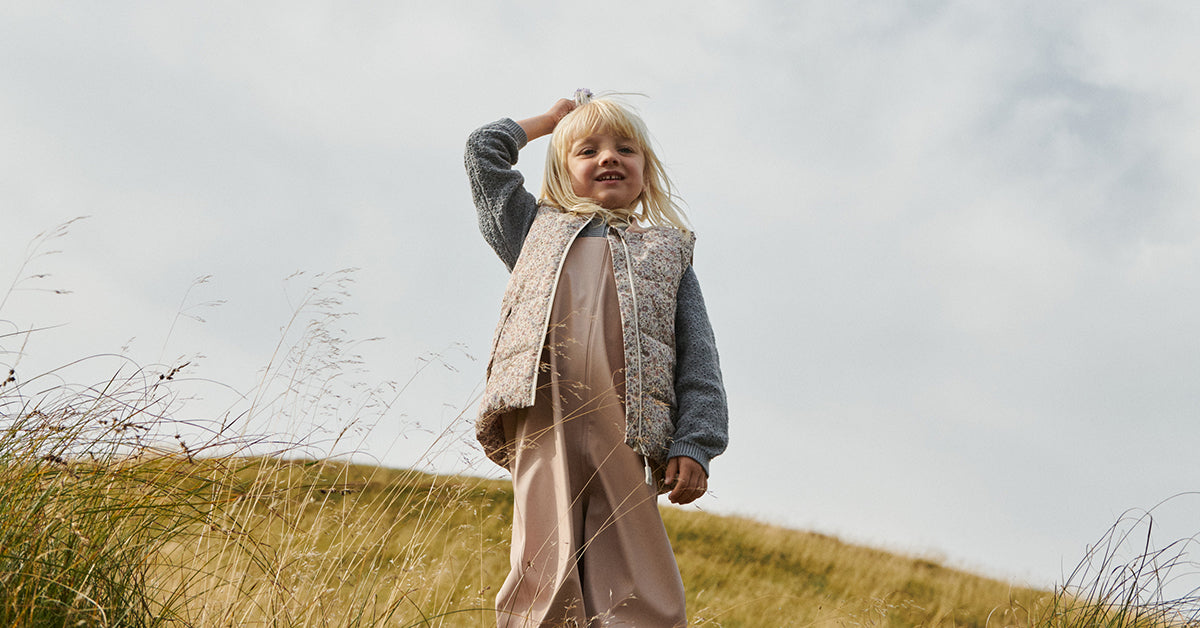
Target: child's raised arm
[506,209]
[544,124]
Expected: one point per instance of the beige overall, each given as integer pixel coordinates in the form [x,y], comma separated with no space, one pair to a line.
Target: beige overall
[588,547]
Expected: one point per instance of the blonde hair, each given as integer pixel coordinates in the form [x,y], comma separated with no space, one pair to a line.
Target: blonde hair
[605,115]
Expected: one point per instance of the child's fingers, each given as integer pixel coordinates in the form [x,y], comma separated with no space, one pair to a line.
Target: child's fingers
[690,483]
[685,494]
[672,471]
[560,109]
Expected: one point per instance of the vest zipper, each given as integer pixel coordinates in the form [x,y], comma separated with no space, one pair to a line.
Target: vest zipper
[550,310]
[637,336]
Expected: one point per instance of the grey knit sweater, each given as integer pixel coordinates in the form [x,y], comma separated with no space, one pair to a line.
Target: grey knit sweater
[506,211]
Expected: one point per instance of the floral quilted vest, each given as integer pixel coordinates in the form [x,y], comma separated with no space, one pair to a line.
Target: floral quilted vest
[647,265]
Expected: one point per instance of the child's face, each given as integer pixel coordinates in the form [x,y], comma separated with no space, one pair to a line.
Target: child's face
[607,169]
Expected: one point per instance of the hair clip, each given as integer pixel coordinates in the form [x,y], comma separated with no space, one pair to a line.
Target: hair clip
[582,95]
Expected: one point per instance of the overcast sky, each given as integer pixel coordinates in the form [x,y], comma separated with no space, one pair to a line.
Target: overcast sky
[950,250]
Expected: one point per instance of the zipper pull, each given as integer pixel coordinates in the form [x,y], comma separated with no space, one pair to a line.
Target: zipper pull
[649,475]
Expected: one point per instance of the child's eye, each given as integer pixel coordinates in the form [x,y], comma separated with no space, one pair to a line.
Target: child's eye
[627,149]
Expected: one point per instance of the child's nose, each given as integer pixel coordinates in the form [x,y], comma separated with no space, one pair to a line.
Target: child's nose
[609,157]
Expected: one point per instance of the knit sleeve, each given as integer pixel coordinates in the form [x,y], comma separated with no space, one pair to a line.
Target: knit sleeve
[702,427]
[506,210]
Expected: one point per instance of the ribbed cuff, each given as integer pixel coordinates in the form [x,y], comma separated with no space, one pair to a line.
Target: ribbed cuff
[691,451]
[515,129]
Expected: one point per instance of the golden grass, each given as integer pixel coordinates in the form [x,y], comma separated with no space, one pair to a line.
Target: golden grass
[101,526]
[741,572]
[262,541]
[323,543]
[341,545]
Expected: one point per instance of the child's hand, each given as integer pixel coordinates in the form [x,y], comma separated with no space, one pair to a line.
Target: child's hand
[687,480]
[544,124]
[561,109]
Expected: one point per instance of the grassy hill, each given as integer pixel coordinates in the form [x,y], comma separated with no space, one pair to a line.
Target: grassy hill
[105,521]
[178,540]
[449,536]
[740,572]
[100,526]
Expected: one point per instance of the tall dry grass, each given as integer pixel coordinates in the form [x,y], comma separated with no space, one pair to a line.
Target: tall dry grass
[115,512]
[1125,580]
[138,536]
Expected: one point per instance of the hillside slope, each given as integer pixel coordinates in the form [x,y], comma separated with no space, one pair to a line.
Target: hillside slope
[177,540]
[446,538]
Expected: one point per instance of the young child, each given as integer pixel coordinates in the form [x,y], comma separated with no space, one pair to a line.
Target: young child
[603,388]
